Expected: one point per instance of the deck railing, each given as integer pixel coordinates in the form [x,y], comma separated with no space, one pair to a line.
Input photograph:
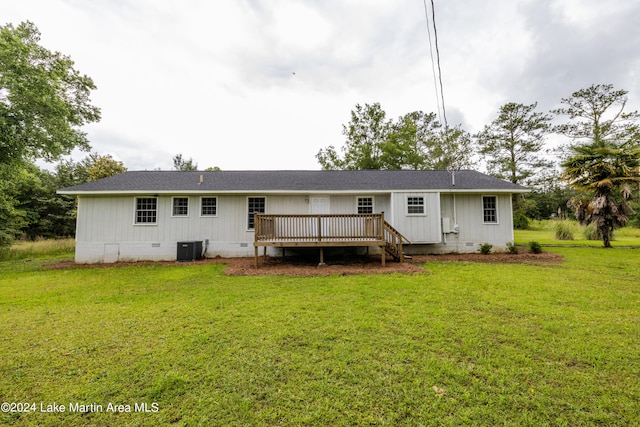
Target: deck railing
[270,228]
[327,230]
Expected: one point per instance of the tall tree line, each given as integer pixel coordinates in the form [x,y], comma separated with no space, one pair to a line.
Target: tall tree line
[45,102]
[38,210]
[593,174]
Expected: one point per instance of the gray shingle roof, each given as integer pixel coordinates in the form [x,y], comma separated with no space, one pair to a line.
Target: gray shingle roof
[294,181]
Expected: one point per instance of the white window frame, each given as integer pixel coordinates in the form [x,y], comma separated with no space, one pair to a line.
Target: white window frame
[135,211]
[248,213]
[202,206]
[358,198]
[485,209]
[424,206]
[173,207]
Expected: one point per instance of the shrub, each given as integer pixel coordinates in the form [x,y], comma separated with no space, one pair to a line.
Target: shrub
[634,222]
[564,230]
[520,221]
[591,232]
[512,248]
[485,248]
[535,247]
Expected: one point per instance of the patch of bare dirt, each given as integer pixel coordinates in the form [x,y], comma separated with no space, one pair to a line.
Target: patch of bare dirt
[523,257]
[290,266]
[301,267]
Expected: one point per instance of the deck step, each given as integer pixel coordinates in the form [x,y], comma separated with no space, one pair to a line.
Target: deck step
[394,242]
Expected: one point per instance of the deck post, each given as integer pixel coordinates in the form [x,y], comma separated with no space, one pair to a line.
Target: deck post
[321,256]
[256,233]
[381,231]
[255,256]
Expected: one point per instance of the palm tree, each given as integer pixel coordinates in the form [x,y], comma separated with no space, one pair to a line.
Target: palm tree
[604,171]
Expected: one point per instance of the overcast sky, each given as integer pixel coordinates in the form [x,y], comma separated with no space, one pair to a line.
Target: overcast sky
[250,84]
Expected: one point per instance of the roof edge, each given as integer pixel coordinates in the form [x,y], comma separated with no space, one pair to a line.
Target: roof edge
[354,191]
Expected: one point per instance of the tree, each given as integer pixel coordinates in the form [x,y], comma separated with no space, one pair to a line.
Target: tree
[597,114]
[548,197]
[102,166]
[182,164]
[411,140]
[11,219]
[604,159]
[454,149]
[43,100]
[46,214]
[605,172]
[39,211]
[512,141]
[366,134]
[415,141]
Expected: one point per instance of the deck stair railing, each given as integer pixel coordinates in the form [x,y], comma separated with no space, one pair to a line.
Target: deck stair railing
[394,243]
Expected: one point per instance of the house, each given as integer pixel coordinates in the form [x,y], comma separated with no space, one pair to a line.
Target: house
[143,215]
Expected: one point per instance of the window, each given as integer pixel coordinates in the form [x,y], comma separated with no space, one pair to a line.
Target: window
[489,209]
[255,205]
[415,205]
[146,210]
[208,206]
[365,205]
[180,206]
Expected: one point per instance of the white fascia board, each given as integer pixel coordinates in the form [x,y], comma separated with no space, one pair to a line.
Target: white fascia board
[484,191]
[285,192]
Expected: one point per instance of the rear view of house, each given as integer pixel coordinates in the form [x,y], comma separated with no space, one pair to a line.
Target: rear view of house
[145,215]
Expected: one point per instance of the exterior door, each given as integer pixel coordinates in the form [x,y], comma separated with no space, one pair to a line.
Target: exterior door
[319,205]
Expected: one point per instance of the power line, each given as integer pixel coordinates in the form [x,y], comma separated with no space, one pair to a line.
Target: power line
[433,63]
[435,36]
[435,33]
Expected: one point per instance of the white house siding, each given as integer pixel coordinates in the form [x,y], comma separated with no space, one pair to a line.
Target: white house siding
[465,211]
[348,203]
[418,228]
[106,231]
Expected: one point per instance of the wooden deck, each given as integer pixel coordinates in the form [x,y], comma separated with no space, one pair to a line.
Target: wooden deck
[327,231]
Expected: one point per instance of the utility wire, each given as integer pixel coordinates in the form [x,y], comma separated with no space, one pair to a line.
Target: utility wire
[435,33]
[433,62]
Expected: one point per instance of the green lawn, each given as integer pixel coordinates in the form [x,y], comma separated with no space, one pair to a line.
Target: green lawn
[543,232]
[467,344]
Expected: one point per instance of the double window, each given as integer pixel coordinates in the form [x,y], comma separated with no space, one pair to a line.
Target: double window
[365,205]
[254,205]
[180,206]
[489,209]
[146,210]
[415,205]
[209,206]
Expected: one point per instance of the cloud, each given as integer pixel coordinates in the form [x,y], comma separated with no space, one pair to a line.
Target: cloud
[248,84]
[578,44]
